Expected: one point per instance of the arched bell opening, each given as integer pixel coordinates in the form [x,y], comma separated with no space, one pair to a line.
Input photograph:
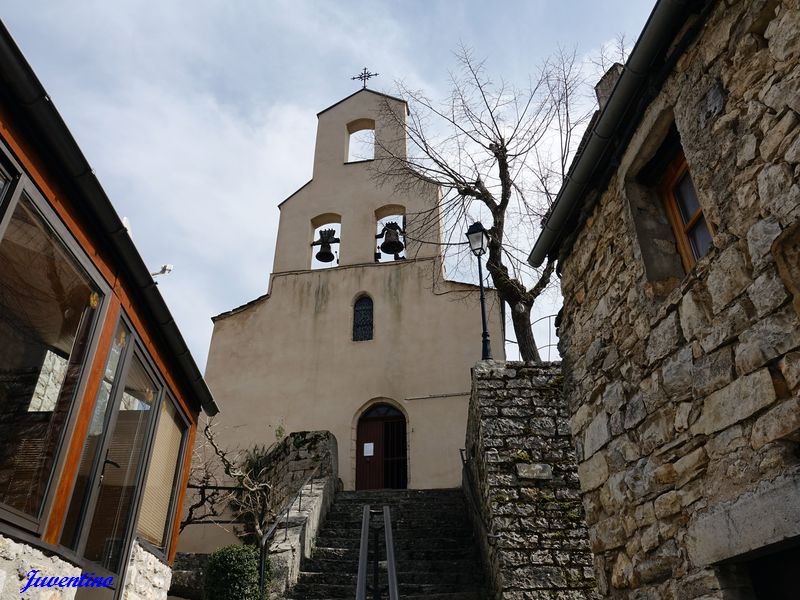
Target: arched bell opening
[326,241]
[360,144]
[381,449]
[391,234]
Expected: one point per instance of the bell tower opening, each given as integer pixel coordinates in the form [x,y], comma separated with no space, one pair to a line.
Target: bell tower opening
[360,140]
[326,236]
[390,234]
[381,449]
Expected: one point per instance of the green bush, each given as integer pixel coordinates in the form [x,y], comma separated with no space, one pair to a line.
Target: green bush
[232,574]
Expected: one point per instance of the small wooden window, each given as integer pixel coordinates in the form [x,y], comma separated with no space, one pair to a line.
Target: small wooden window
[362,319]
[692,232]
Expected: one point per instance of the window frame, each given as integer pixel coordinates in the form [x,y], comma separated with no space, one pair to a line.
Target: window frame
[359,298]
[172,513]
[135,350]
[19,184]
[674,171]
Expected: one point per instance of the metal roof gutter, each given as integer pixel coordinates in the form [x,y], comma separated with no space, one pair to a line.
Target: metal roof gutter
[658,33]
[53,132]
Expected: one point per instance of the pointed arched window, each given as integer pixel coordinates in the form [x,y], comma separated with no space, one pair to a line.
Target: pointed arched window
[362,319]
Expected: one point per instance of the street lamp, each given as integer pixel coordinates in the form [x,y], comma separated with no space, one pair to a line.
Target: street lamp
[479,243]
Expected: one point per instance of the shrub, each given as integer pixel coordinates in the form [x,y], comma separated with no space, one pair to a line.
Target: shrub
[232,574]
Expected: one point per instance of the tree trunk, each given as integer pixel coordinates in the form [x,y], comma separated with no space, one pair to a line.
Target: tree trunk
[521,319]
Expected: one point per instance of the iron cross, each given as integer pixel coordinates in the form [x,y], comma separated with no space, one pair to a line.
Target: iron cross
[364,76]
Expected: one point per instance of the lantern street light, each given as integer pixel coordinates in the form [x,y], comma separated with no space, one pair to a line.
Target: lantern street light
[479,244]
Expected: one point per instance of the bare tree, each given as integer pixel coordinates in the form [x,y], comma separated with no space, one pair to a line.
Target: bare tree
[504,149]
[233,488]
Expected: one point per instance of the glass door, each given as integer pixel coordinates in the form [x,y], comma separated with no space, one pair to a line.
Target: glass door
[99,521]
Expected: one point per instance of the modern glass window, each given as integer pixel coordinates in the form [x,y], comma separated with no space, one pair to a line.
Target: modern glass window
[123,459]
[94,438]
[162,475]
[362,319]
[49,306]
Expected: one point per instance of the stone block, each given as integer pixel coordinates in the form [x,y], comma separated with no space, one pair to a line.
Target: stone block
[786,250]
[534,471]
[597,435]
[690,466]
[613,397]
[677,373]
[767,293]
[593,473]
[635,411]
[774,183]
[767,339]
[777,423]
[713,371]
[667,504]
[777,139]
[726,326]
[683,413]
[790,368]
[664,338]
[622,573]
[759,241]
[607,535]
[735,402]
[758,518]
[727,278]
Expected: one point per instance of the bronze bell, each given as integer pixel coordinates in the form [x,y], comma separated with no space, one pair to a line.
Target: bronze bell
[391,239]
[326,238]
[324,255]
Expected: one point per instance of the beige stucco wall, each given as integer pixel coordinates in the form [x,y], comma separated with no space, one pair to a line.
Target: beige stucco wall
[287,362]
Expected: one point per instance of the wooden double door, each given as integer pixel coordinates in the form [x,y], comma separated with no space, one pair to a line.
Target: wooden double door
[381,449]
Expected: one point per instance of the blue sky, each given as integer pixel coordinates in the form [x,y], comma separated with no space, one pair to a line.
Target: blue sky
[199,117]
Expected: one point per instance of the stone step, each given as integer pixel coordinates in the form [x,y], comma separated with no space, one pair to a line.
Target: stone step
[448,577]
[305,589]
[401,533]
[425,565]
[402,544]
[399,494]
[436,554]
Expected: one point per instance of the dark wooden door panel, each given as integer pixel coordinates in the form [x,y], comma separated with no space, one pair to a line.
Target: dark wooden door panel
[369,469]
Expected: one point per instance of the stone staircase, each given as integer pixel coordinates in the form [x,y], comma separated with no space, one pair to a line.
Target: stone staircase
[437,557]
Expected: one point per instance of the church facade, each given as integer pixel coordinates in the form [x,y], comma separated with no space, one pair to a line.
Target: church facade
[360,333]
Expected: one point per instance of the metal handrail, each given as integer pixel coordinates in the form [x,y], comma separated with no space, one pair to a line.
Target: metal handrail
[391,566]
[288,506]
[363,554]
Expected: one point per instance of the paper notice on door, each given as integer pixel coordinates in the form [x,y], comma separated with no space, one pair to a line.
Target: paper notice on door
[369,449]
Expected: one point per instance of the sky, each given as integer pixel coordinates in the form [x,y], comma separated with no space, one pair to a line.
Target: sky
[199,117]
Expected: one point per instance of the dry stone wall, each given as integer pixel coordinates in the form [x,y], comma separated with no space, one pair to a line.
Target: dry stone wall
[147,577]
[684,394]
[522,482]
[302,458]
[17,559]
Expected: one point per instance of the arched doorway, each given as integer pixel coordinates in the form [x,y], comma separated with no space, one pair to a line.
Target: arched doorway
[381,460]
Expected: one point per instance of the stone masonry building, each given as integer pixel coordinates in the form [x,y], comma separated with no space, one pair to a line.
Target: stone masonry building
[678,242]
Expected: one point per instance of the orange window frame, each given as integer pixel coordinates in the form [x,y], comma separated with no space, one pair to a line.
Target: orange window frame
[672,175]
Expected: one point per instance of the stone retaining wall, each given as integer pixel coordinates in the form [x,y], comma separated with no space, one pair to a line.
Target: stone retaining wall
[296,458]
[147,577]
[684,393]
[521,460]
[17,559]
